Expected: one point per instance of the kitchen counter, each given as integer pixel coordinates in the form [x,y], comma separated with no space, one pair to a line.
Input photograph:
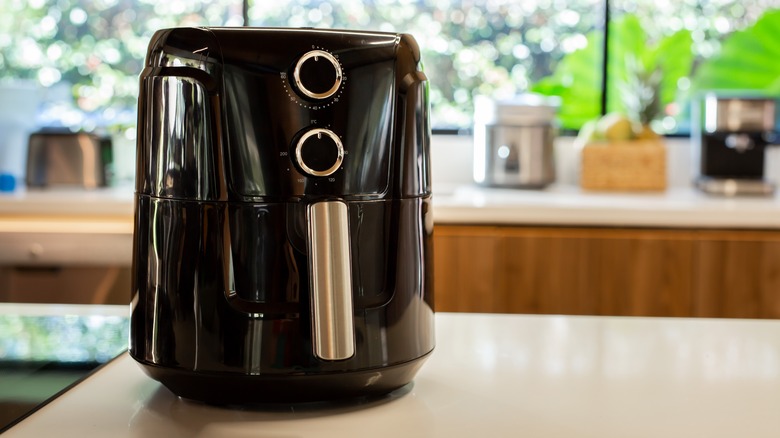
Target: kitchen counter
[497,375]
[43,226]
[112,201]
[559,204]
[676,207]
[67,226]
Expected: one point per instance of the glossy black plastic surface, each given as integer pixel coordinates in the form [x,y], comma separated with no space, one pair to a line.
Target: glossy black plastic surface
[220,107]
[720,160]
[227,389]
[221,275]
[212,279]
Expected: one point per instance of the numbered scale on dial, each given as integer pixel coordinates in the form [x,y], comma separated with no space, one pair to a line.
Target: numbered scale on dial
[317,75]
[319,152]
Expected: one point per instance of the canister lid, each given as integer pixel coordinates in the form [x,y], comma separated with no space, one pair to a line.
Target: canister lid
[523,109]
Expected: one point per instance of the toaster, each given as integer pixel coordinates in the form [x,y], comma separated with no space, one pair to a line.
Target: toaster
[73,159]
[282,246]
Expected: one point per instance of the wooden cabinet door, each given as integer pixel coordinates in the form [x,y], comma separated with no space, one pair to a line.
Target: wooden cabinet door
[467,270]
[563,270]
[737,274]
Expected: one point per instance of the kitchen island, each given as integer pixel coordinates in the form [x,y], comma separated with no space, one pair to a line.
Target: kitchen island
[490,375]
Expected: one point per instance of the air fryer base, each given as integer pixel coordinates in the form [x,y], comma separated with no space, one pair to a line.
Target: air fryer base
[239,389]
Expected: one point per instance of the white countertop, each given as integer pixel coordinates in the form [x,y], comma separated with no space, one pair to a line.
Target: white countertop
[44,226]
[491,376]
[676,207]
[470,204]
[112,201]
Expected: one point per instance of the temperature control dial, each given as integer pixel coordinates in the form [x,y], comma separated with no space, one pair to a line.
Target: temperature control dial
[317,74]
[319,152]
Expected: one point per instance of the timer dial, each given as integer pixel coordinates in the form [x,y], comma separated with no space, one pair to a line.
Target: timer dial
[317,74]
[319,152]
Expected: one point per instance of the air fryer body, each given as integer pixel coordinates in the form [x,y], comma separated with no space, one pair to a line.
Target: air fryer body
[283,220]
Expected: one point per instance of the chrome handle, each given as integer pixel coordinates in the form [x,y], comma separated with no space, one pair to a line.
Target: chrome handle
[330,266]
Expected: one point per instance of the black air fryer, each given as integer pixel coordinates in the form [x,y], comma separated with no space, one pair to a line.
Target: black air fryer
[283,214]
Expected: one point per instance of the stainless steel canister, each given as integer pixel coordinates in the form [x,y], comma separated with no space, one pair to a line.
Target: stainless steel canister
[513,141]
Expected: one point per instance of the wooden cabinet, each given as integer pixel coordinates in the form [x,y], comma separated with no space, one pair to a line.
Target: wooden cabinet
[599,271]
[737,275]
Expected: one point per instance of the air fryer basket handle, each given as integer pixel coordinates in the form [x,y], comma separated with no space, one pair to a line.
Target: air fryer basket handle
[333,332]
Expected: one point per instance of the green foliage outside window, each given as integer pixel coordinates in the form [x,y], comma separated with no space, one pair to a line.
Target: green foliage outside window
[749,59]
[62,338]
[96,48]
[643,78]
[489,47]
[492,47]
[577,84]
[654,82]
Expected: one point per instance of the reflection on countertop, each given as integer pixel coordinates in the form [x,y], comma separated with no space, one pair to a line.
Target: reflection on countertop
[490,375]
[46,348]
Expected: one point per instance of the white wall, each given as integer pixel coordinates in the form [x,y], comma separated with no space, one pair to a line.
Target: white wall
[17,120]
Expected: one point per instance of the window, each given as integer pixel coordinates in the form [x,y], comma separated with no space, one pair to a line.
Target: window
[490,47]
[82,58]
[85,55]
[691,47]
[663,54]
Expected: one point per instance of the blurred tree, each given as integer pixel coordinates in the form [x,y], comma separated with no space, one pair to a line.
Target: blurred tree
[749,60]
[95,47]
[66,338]
[470,47]
[490,47]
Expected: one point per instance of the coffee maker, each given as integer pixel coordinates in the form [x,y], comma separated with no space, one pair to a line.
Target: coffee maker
[730,133]
[282,247]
